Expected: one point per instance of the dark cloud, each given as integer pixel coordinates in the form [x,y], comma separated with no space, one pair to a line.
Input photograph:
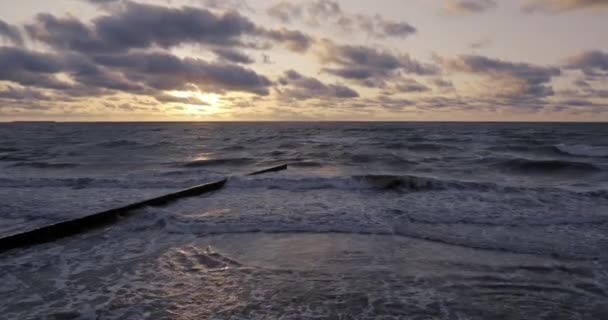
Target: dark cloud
[297,86]
[30,68]
[231,55]
[374,59]
[558,6]
[35,69]
[329,13]
[368,66]
[162,71]
[459,7]
[508,79]
[64,33]
[92,77]
[577,102]
[389,102]
[12,93]
[407,85]
[138,73]
[442,84]
[141,26]
[294,40]
[394,29]
[588,60]
[11,33]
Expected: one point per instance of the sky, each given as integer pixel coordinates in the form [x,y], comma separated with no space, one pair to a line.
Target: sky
[304,60]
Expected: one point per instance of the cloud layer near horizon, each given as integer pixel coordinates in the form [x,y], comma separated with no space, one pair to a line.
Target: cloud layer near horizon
[135,59]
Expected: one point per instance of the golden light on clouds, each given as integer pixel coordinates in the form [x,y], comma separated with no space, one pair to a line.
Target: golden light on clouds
[303,60]
[210,103]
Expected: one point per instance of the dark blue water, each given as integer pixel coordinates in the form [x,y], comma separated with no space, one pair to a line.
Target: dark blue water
[372,220]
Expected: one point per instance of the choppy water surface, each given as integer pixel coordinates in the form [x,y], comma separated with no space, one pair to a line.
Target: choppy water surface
[372,221]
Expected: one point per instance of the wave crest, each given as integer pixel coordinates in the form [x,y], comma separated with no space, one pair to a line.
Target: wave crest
[583,150]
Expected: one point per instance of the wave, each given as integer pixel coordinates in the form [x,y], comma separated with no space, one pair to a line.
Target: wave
[583,150]
[6,149]
[163,182]
[217,162]
[548,166]
[431,147]
[13,157]
[538,222]
[393,145]
[397,183]
[306,164]
[559,149]
[45,165]
[118,143]
[233,148]
[447,234]
[539,150]
[391,159]
[422,145]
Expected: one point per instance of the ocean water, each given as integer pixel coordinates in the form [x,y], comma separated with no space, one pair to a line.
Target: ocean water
[370,221]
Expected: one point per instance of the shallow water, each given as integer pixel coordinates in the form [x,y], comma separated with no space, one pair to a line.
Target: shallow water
[381,220]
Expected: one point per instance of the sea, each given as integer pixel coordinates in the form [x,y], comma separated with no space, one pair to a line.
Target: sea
[370,221]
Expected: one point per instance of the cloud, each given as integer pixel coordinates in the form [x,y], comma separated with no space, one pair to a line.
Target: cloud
[30,68]
[285,11]
[442,84]
[592,75]
[11,33]
[93,79]
[12,93]
[559,6]
[231,55]
[137,73]
[141,26]
[296,86]
[588,60]
[503,78]
[294,40]
[226,4]
[462,7]
[329,13]
[480,44]
[166,98]
[102,3]
[368,66]
[163,71]
[407,85]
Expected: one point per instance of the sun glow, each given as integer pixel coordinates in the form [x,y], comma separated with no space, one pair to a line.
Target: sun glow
[198,102]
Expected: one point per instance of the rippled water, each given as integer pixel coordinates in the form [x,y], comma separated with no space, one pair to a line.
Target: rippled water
[372,220]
